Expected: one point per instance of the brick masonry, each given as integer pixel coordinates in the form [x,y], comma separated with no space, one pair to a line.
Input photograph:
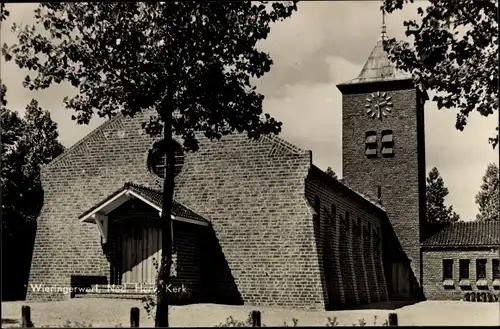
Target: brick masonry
[432,261]
[401,178]
[340,209]
[251,191]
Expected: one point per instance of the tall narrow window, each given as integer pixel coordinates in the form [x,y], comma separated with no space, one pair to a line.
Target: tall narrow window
[317,208]
[447,269]
[371,144]
[379,194]
[480,269]
[333,213]
[496,269]
[387,143]
[464,269]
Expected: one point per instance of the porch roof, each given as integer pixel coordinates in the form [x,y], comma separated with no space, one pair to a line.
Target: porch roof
[147,195]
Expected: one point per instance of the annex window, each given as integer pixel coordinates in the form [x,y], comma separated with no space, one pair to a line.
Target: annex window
[371,144]
[387,143]
[480,269]
[464,269]
[447,269]
[496,269]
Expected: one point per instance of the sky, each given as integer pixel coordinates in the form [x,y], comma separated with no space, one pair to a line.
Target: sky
[324,43]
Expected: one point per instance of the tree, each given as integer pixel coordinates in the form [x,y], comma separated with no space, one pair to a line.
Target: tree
[454,52]
[27,143]
[4,13]
[190,62]
[436,192]
[331,173]
[488,196]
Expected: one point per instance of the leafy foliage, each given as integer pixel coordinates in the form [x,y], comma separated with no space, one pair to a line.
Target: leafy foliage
[488,196]
[454,52]
[125,57]
[4,13]
[191,63]
[27,144]
[436,193]
[231,322]
[331,173]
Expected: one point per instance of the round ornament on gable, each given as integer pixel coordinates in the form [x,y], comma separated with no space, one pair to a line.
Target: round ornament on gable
[159,161]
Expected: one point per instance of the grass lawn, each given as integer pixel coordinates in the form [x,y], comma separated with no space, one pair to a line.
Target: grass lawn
[113,312]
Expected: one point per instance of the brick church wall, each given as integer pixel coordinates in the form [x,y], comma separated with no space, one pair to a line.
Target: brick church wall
[251,191]
[355,272]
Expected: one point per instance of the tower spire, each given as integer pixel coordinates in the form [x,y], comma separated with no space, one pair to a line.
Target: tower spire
[383,35]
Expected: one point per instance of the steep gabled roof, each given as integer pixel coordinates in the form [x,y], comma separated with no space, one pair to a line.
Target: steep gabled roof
[156,197]
[150,196]
[466,234]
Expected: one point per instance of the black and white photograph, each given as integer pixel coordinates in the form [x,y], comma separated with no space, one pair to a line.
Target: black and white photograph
[250,163]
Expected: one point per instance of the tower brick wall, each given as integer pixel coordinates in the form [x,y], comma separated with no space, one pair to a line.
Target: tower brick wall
[399,179]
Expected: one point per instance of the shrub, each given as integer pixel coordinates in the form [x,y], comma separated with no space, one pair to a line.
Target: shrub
[231,322]
[69,324]
[294,320]
[332,322]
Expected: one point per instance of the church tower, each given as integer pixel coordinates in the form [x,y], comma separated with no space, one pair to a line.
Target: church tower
[383,151]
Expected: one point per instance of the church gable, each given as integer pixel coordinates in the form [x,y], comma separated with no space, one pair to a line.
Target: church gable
[238,184]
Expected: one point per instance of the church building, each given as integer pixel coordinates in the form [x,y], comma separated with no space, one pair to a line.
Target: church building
[254,221]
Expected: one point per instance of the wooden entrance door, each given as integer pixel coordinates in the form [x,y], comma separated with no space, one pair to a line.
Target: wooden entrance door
[401,279]
[141,246]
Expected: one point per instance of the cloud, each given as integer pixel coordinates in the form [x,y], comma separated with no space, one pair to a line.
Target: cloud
[322,44]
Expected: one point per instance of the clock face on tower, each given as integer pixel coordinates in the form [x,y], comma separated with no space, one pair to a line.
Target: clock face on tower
[378,105]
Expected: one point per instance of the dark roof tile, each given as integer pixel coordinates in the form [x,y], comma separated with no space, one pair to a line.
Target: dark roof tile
[466,234]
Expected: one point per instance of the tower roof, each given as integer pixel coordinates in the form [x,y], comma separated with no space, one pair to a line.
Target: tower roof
[379,68]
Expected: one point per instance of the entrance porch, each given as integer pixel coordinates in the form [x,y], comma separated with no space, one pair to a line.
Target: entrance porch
[129,225]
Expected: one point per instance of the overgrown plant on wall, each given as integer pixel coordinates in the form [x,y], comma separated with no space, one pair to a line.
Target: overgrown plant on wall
[190,62]
[454,53]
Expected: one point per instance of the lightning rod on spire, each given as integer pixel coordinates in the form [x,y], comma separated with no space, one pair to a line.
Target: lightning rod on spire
[383,34]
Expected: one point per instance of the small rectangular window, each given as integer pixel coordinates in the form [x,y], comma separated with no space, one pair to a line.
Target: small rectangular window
[464,269]
[387,143]
[371,144]
[480,269]
[496,269]
[447,269]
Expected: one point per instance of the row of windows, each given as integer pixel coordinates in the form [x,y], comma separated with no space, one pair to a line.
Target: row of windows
[464,267]
[371,144]
[333,214]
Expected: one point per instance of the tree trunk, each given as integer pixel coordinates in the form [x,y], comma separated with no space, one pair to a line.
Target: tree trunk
[161,319]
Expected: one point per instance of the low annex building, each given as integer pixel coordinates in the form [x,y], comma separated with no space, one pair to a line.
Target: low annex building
[462,258]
